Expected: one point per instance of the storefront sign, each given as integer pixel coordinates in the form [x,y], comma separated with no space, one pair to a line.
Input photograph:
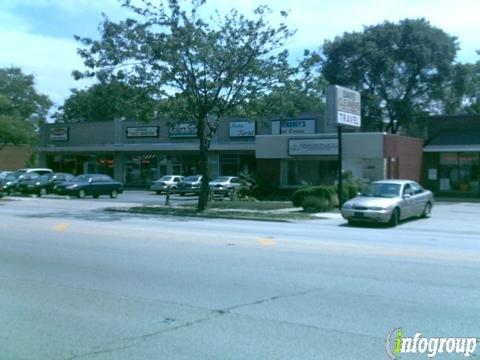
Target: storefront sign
[242,128]
[184,130]
[291,127]
[324,146]
[59,134]
[142,131]
[343,106]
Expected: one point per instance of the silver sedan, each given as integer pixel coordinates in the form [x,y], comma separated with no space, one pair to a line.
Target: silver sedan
[389,201]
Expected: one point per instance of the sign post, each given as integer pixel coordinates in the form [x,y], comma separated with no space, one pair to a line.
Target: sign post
[343,109]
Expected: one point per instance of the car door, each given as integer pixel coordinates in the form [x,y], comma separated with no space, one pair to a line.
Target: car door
[407,202]
[107,185]
[419,199]
[96,185]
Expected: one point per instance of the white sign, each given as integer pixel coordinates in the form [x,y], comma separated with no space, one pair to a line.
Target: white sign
[432,174]
[242,128]
[142,131]
[343,106]
[323,146]
[292,127]
[183,130]
[59,134]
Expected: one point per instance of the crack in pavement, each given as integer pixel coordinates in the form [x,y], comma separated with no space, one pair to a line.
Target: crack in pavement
[137,340]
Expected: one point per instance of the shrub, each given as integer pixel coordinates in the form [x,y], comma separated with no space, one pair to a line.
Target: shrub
[327,193]
[313,203]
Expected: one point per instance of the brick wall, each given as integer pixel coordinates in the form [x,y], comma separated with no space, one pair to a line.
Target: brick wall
[408,154]
[14,157]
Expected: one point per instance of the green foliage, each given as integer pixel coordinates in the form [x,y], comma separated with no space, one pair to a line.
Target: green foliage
[206,68]
[105,102]
[400,69]
[314,204]
[461,93]
[21,107]
[325,192]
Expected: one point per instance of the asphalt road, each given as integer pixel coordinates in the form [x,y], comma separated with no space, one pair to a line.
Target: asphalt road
[79,283]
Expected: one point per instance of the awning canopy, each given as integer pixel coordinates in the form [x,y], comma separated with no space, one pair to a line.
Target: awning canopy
[454,141]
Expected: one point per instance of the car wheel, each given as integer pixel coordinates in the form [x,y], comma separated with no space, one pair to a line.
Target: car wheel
[182,194]
[395,219]
[81,194]
[114,194]
[352,222]
[158,192]
[427,212]
[42,192]
[96,196]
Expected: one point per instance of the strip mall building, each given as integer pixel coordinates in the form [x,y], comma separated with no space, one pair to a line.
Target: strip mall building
[286,153]
[452,156]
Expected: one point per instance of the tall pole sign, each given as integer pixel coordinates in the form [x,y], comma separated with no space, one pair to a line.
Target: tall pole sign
[343,109]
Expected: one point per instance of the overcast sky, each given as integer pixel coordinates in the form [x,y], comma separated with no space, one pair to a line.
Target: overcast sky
[37,35]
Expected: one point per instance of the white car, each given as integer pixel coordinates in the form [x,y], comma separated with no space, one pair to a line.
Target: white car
[225,184]
[389,201]
[166,182]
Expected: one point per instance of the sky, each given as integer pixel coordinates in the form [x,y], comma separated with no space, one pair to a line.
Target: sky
[38,35]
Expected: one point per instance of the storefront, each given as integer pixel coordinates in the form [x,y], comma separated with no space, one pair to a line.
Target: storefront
[297,160]
[136,153]
[286,153]
[452,156]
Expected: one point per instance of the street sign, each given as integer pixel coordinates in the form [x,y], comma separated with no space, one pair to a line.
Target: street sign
[343,106]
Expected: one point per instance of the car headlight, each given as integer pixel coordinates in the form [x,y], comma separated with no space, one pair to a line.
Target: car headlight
[377,208]
[348,205]
[37,183]
[72,186]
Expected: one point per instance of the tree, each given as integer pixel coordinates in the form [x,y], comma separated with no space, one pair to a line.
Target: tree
[21,107]
[302,90]
[105,102]
[205,69]
[399,69]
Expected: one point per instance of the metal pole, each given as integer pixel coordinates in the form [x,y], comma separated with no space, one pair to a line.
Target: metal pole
[340,185]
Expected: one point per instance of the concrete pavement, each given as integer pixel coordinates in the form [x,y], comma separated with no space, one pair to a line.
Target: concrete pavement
[78,283]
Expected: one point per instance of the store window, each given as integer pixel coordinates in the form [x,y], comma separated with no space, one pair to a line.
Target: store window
[459,172]
[236,164]
[308,172]
[141,169]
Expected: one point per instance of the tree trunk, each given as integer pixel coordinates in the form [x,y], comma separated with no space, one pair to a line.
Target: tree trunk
[204,190]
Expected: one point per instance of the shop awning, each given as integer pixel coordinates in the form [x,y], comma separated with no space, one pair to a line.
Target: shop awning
[454,141]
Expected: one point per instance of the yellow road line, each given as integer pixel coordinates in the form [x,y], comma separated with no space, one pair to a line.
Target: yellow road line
[61,227]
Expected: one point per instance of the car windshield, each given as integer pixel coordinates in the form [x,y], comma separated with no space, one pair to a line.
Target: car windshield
[221,179]
[165,178]
[192,178]
[45,177]
[81,178]
[387,190]
[11,177]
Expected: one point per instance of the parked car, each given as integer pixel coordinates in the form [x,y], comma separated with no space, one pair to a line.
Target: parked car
[90,184]
[40,171]
[44,184]
[3,174]
[24,180]
[389,201]
[190,185]
[225,184]
[165,182]
[9,183]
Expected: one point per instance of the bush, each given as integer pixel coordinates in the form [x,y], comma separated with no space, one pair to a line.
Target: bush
[314,203]
[328,193]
